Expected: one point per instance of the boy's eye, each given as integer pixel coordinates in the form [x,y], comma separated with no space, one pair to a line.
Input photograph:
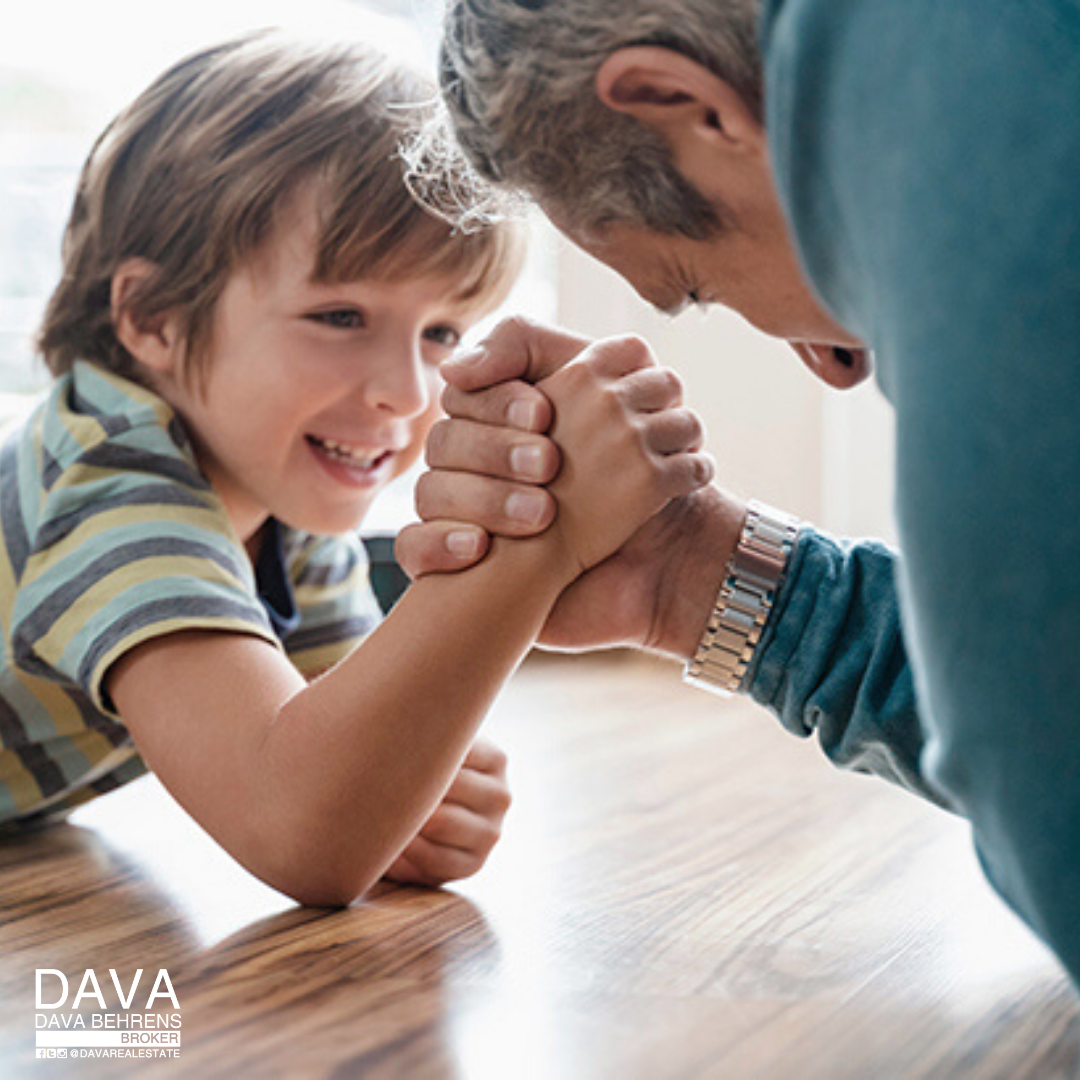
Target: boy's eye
[446,336]
[340,318]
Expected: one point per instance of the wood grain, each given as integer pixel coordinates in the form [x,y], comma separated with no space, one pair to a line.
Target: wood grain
[683,890]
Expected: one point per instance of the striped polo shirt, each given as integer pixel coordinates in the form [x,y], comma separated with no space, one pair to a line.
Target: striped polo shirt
[110,536]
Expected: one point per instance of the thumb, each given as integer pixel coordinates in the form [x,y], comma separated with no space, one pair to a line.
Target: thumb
[517,348]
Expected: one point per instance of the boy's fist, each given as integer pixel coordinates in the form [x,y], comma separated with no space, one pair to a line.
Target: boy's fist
[458,837]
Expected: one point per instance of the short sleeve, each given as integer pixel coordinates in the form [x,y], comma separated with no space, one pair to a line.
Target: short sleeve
[131,544]
[333,596]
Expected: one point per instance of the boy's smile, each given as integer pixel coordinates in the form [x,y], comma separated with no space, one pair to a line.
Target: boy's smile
[315,395]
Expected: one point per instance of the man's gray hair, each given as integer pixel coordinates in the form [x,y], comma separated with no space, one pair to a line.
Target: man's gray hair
[518,80]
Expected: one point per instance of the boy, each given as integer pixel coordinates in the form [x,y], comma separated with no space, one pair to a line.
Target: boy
[246,340]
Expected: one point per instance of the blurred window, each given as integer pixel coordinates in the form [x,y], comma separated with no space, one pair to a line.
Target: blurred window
[67,67]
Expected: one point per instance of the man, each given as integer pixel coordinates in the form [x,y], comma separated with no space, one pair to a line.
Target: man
[909,184]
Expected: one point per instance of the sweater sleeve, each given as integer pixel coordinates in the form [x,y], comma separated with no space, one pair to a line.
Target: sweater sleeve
[832,660]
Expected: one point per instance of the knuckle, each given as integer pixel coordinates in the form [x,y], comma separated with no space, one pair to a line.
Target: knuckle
[581,372]
[424,496]
[500,398]
[420,857]
[497,759]
[489,836]
[502,800]
[615,397]
[570,382]
[515,325]
[438,442]
[626,390]
[634,430]
[471,864]
[405,548]
[451,399]
[409,537]
[512,328]
[690,424]
[633,346]
[672,382]
[691,471]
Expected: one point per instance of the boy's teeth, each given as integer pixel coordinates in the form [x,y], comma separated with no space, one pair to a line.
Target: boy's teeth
[361,458]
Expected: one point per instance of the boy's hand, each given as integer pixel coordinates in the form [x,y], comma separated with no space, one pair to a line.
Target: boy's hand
[458,837]
[628,447]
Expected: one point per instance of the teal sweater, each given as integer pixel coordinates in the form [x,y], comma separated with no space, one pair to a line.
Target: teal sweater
[928,157]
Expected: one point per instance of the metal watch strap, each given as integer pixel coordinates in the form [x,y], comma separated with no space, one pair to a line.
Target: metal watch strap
[750,584]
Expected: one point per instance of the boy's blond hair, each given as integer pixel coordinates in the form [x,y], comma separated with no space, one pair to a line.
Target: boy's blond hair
[192,174]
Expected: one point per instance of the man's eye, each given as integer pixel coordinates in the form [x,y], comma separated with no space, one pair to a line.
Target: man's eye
[446,336]
[340,318]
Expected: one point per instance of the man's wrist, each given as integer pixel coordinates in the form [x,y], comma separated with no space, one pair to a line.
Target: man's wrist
[702,543]
[751,582]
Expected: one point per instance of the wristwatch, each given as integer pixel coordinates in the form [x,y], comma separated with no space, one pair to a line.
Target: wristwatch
[751,581]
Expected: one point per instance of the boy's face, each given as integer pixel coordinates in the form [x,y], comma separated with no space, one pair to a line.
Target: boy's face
[315,395]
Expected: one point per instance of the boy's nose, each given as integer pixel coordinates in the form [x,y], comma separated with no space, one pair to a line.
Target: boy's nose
[398,382]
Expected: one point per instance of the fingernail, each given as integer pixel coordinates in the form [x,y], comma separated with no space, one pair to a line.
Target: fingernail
[522,414]
[527,509]
[465,545]
[527,461]
[464,358]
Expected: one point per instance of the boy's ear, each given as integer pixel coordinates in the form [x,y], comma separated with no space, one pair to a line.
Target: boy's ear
[151,341]
[696,112]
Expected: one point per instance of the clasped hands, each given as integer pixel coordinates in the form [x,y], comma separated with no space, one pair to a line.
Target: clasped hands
[490,461]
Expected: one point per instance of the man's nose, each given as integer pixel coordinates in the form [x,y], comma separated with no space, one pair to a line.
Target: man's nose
[842,368]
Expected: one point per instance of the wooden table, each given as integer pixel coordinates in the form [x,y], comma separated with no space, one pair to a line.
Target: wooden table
[684,890]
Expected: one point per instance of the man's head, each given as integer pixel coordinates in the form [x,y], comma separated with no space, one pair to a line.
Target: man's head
[520,82]
[637,125]
[187,184]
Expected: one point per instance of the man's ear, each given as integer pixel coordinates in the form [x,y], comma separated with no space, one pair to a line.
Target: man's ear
[679,99]
[152,341]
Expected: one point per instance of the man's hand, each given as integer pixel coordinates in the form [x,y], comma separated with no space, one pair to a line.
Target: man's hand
[656,592]
[456,840]
[628,444]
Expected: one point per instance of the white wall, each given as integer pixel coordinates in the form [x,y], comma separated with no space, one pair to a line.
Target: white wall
[778,434]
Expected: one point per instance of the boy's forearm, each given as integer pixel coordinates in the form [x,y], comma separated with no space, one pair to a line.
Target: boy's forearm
[369,748]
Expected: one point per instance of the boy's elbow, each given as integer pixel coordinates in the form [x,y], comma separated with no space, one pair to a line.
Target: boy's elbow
[328,894]
[313,869]
[319,886]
